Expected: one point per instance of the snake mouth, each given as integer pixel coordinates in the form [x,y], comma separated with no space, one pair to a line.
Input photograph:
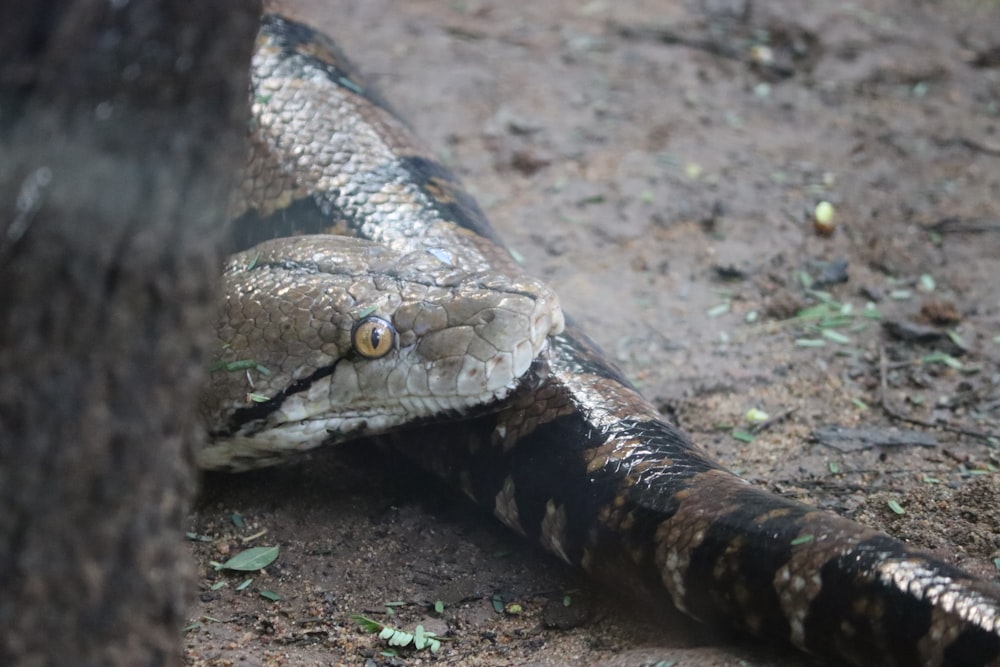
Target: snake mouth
[242,419]
[264,443]
[259,435]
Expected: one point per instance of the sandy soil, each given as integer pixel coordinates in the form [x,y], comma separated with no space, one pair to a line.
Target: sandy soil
[659,163]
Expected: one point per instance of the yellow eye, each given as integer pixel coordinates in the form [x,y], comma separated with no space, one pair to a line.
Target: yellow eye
[373,337]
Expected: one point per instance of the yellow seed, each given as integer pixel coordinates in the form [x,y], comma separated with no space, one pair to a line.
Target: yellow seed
[823,218]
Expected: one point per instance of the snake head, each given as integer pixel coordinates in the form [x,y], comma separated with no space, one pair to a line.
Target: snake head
[326,338]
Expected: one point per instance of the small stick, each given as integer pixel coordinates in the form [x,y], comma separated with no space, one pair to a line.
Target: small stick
[771,421]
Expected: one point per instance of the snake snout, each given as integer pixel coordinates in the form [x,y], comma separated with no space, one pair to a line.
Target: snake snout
[548,319]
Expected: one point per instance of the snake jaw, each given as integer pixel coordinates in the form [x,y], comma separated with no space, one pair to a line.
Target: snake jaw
[301,424]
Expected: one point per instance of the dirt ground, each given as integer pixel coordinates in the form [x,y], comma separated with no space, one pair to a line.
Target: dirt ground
[660,164]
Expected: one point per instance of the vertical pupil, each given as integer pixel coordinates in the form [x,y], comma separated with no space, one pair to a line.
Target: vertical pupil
[375,338]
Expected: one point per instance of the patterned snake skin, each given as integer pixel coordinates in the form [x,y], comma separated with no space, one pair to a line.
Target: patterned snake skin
[576,459]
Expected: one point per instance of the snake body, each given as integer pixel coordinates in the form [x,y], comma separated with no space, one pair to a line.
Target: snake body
[574,457]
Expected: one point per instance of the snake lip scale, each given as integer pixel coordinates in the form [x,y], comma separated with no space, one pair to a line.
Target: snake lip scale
[567,453]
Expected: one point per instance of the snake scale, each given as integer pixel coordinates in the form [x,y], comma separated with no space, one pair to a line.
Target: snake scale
[564,450]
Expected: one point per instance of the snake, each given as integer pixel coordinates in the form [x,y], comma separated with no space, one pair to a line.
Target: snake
[369,297]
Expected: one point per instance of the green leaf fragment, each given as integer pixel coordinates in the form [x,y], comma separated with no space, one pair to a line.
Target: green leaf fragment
[896,507]
[716,311]
[263,370]
[269,595]
[438,607]
[350,85]
[366,624]
[497,603]
[258,398]
[366,312]
[244,584]
[513,608]
[941,358]
[810,342]
[803,539]
[825,297]
[420,638]
[743,436]
[833,467]
[835,322]
[872,312]
[400,638]
[835,336]
[239,365]
[819,311]
[251,560]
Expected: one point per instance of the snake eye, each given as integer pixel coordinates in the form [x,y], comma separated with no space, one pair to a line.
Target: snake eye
[373,337]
